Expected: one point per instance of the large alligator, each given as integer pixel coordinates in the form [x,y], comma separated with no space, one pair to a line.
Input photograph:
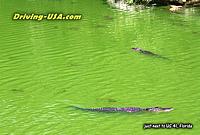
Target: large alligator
[147,53]
[127,109]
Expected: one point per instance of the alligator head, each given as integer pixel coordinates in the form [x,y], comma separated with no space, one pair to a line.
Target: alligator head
[159,109]
[136,49]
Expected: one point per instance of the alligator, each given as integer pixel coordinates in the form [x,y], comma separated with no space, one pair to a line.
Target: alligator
[147,53]
[127,109]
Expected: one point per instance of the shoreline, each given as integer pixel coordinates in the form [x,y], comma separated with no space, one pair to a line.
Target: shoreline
[131,5]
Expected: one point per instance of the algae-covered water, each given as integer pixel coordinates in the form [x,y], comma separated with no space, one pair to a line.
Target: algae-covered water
[48,66]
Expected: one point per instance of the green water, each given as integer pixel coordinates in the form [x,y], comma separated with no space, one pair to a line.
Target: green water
[47,66]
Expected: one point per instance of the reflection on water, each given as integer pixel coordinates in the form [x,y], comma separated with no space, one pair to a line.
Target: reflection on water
[47,66]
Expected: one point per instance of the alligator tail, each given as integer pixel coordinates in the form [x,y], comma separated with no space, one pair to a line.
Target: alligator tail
[79,108]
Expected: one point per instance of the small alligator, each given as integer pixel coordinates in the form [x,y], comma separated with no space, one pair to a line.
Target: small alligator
[127,109]
[147,53]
